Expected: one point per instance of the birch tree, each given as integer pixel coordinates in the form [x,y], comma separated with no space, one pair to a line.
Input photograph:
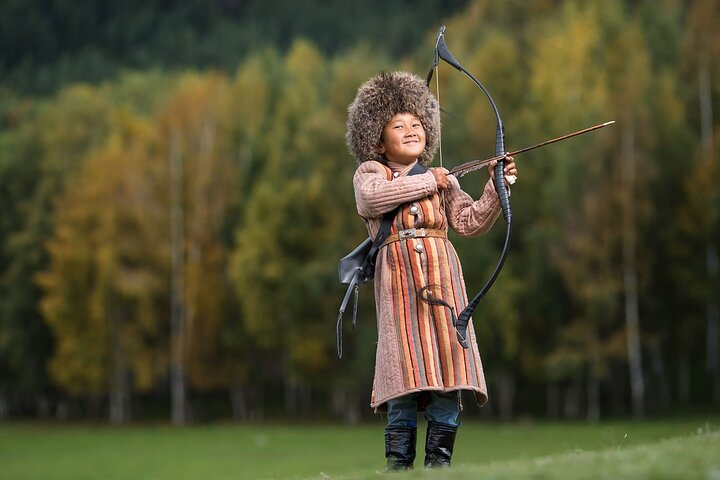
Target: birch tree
[194,127]
[703,47]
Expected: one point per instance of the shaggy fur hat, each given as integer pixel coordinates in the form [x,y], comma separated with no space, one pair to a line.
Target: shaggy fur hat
[378,100]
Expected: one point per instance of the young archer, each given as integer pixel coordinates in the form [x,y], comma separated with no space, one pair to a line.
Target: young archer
[394,124]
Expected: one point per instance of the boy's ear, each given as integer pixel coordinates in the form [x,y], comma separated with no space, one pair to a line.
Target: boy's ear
[380,149]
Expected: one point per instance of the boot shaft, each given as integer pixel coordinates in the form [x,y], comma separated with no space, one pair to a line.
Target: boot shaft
[439,444]
[400,447]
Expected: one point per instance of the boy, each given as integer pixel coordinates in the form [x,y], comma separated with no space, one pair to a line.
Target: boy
[394,124]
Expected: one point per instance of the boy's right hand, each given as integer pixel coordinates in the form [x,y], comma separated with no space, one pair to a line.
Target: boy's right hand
[441,177]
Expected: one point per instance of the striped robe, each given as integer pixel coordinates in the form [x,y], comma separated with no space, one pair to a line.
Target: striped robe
[417,348]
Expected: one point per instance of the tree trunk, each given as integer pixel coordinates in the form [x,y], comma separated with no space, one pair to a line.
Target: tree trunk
[119,384]
[506,394]
[290,389]
[593,397]
[178,389]
[712,308]
[43,406]
[630,283]
[552,400]
[617,393]
[572,400]
[346,404]
[713,325]
[191,263]
[684,391]
[661,393]
[4,405]
[246,402]
[239,403]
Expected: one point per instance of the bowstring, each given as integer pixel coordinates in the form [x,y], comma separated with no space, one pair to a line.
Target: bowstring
[437,88]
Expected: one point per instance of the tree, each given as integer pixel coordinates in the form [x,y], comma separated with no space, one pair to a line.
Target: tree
[194,127]
[568,90]
[629,81]
[51,141]
[103,285]
[703,200]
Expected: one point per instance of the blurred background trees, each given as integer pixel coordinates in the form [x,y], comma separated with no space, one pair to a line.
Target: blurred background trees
[176,193]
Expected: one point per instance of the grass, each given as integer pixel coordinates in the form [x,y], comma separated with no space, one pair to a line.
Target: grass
[686,458]
[672,449]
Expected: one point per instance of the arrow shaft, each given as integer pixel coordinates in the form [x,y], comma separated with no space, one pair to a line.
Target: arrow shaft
[473,165]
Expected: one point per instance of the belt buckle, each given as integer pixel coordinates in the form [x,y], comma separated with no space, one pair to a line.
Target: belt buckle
[409,233]
[412,233]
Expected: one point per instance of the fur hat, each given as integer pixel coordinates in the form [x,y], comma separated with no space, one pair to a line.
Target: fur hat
[378,100]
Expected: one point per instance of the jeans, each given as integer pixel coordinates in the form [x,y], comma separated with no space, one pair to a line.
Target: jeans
[443,408]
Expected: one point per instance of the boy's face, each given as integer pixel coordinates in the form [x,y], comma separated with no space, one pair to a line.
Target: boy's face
[403,139]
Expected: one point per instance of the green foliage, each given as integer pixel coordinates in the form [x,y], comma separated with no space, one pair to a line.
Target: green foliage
[290,223]
[103,281]
[44,46]
[41,154]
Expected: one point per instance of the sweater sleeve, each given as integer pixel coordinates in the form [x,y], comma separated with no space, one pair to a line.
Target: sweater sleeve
[468,217]
[375,194]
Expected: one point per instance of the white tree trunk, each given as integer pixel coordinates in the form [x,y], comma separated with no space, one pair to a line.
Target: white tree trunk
[178,390]
[630,283]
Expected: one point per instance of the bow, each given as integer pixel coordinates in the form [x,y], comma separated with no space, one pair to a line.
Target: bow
[442,53]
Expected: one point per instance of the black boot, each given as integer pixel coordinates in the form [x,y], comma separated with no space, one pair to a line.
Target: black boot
[439,444]
[400,447]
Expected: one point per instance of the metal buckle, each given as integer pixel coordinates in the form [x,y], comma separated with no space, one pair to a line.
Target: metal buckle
[412,233]
[409,233]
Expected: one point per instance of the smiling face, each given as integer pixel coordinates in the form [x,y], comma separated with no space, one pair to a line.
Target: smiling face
[403,139]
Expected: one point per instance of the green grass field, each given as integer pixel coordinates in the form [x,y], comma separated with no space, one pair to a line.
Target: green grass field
[686,448]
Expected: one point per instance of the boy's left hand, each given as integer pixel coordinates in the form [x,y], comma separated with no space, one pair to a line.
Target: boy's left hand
[510,170]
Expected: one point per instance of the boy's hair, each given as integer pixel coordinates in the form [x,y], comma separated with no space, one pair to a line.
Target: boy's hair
[378,100]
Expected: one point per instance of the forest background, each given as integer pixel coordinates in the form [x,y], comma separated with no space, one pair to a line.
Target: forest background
[176,193]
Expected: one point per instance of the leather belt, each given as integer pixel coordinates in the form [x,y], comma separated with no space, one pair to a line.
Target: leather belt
[415,233]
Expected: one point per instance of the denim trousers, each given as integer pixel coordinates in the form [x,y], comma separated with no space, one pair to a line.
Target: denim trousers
[443,408]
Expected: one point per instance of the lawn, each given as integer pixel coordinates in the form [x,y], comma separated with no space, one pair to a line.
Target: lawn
[676,448]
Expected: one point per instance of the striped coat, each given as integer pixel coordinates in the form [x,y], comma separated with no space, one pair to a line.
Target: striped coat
[417,349]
